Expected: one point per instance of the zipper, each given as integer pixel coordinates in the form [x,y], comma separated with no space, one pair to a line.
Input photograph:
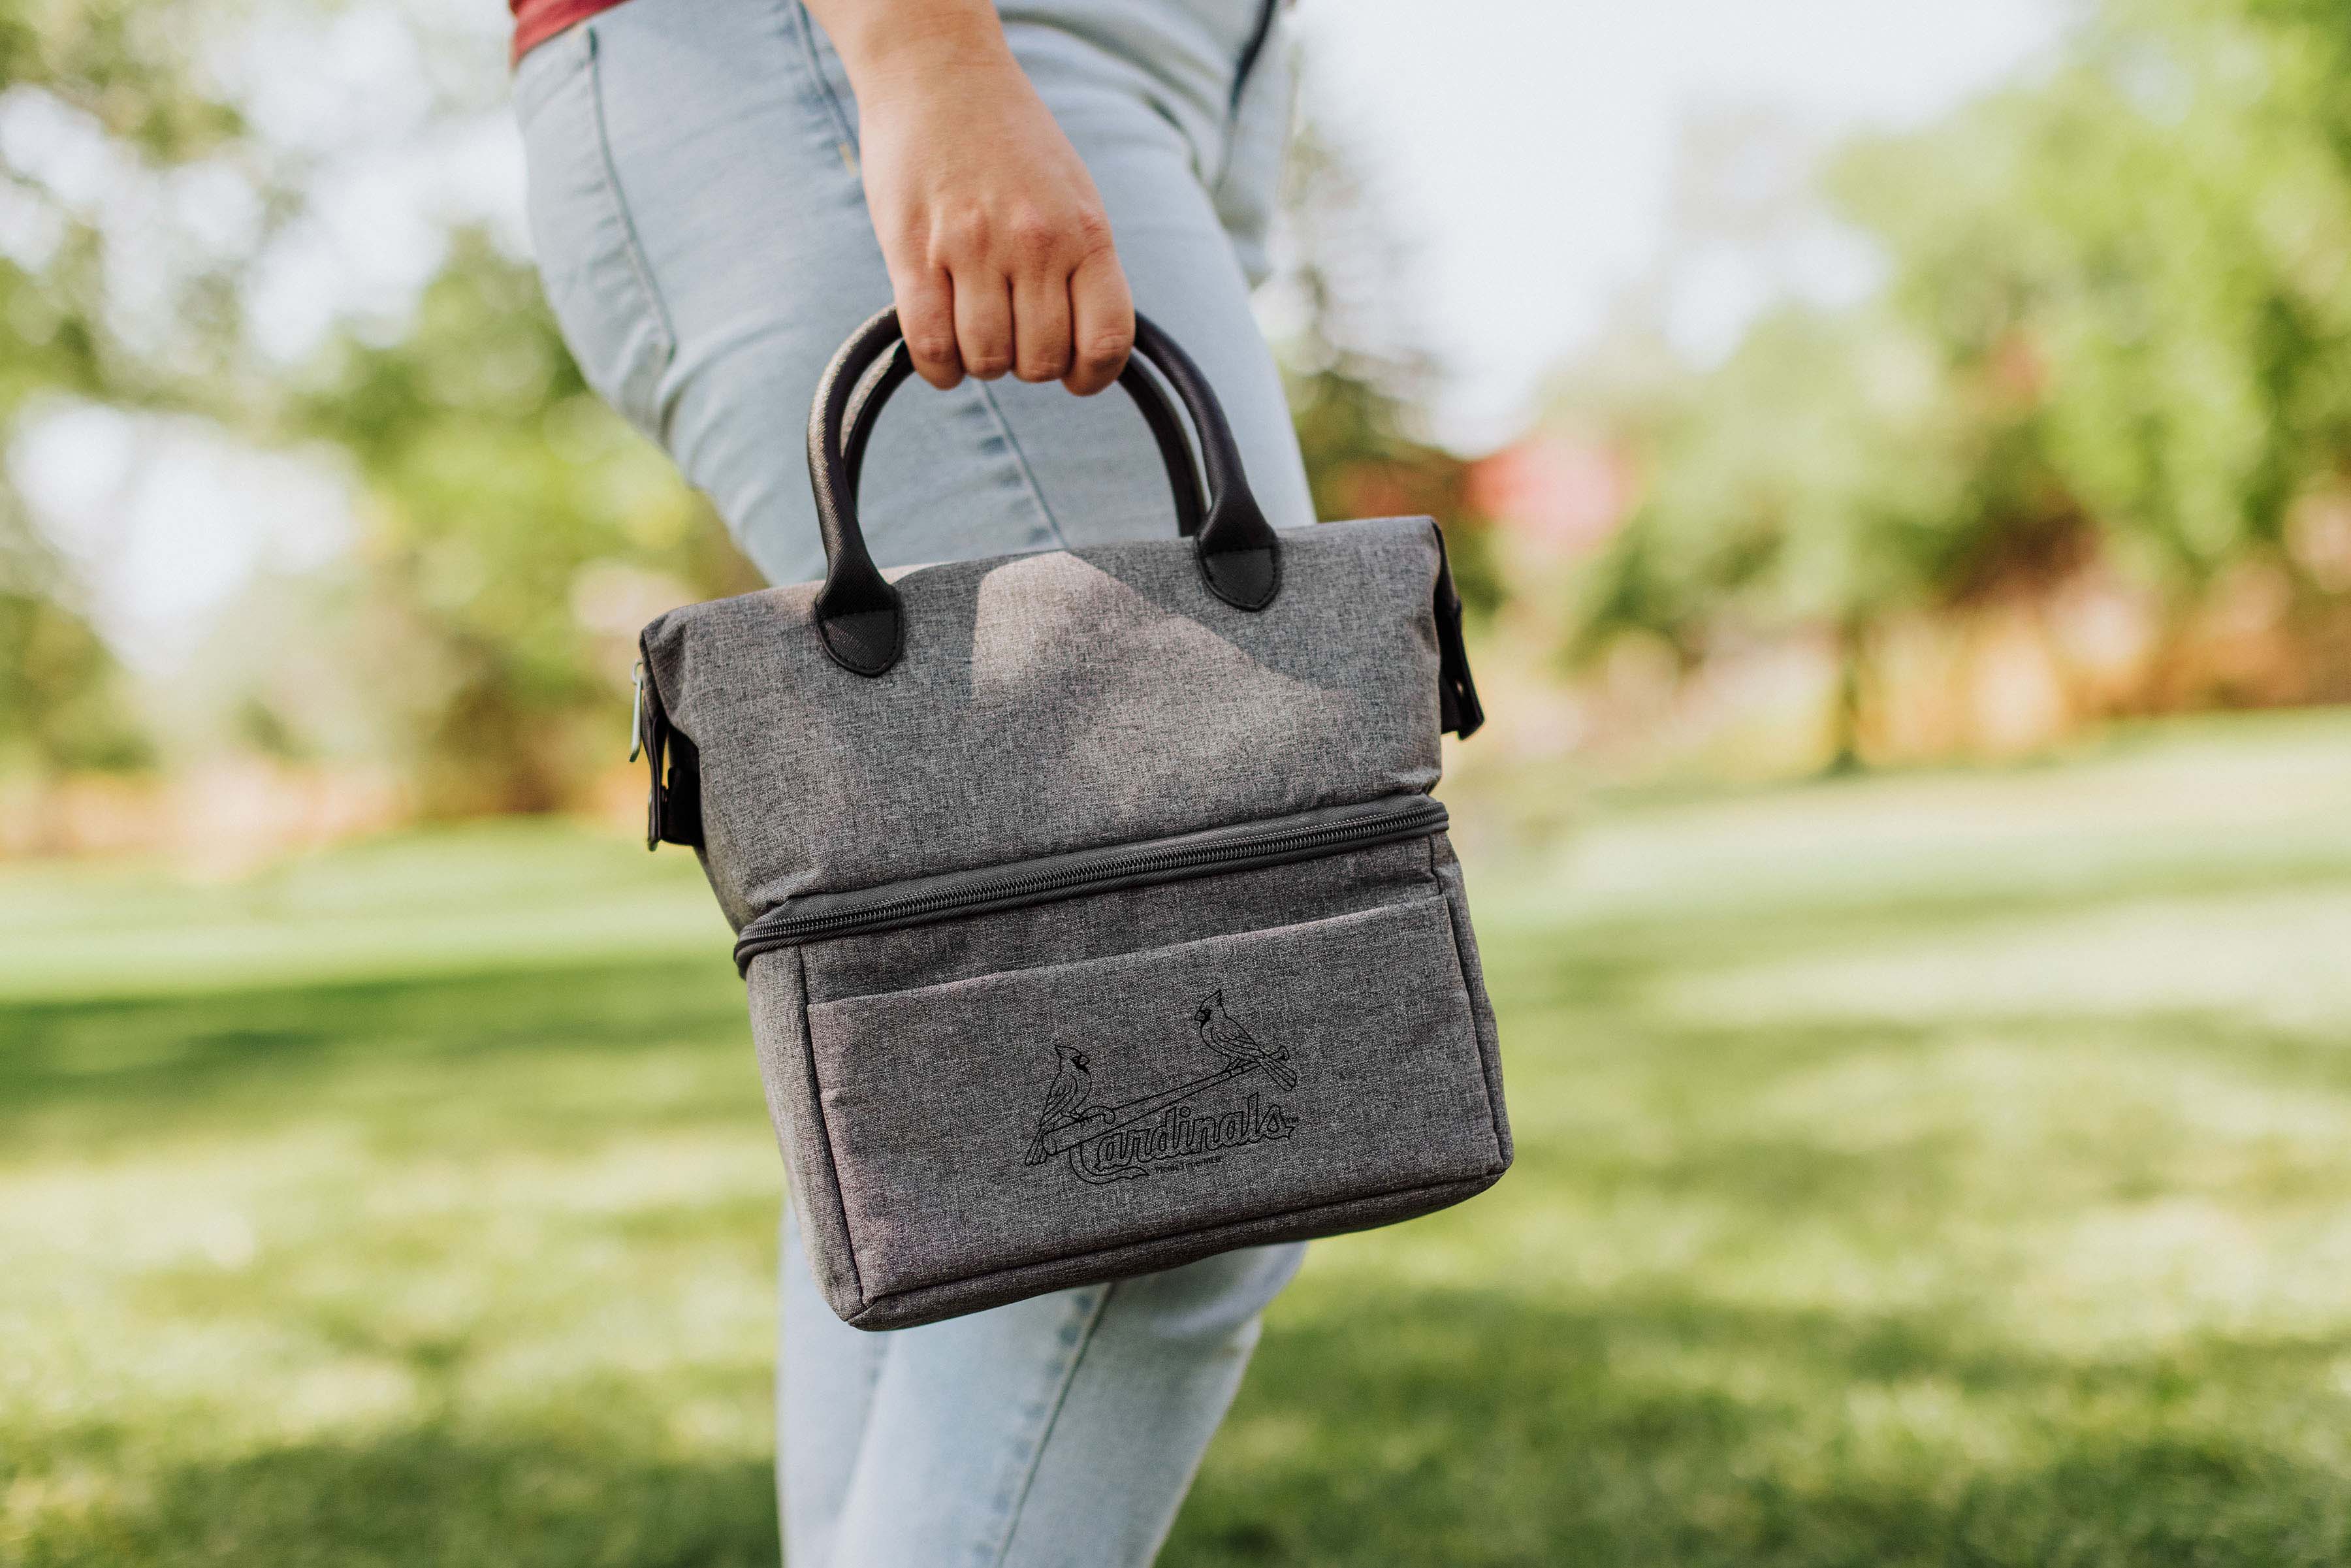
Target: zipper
[1307,835]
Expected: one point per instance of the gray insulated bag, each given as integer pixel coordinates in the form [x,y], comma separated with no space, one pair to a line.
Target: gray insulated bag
[1095,912]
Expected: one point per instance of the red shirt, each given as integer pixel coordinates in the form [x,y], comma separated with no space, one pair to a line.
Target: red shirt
[536,21]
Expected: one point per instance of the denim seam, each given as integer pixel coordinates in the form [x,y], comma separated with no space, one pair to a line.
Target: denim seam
[1248,72]
[1087,1334]
[1252,53]
[631,247]
[1020,464]
[805,27]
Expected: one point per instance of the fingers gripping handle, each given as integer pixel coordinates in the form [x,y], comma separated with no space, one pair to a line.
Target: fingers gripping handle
[859,614]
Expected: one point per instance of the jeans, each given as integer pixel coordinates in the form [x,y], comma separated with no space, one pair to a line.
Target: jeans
[701,229]
[702,232]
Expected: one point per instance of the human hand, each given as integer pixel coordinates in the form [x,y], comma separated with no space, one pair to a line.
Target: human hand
[999,253]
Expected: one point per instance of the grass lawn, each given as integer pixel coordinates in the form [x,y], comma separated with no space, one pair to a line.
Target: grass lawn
[1945,1169]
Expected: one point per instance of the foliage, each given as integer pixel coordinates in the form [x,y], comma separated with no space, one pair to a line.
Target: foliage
[511,533]
[2116,327]
[1354,389]
[62,702]
[516,536]
[79,76]
[1979,1198]
[89,308]
[2149,249]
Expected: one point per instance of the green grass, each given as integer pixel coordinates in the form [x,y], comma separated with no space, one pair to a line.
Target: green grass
[1941,1169]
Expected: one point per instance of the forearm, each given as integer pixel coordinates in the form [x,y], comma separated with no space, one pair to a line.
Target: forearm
[999,254]
[889,47]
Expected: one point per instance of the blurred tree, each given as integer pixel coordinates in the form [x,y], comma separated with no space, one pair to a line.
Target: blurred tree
[516,536]
[65,702]
[2116,327]
[512,534]
[2147,254]
[1356,387]
[88,78]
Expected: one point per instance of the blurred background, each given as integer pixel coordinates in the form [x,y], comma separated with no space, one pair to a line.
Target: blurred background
[1899,458]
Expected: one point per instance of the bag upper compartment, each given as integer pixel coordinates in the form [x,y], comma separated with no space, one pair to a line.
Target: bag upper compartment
[1053,702]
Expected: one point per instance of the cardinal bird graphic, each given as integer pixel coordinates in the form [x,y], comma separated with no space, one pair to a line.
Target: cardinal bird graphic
[1222,1033]
[1066,1101]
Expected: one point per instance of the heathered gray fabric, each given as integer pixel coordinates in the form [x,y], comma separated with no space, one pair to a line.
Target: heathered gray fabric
[909,1308]
[932,1096]
[1447,871]
[1265,1055]
[1053,702]
[1132,920]
[906,1114]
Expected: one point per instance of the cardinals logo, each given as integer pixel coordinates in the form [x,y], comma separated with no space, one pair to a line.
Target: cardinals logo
[1223,1034]
[1118,1143]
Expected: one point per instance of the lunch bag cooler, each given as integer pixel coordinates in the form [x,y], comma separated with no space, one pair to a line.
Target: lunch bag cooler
[1094,911]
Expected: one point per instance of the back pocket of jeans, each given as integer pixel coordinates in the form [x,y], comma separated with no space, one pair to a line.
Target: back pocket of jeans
[994,1121]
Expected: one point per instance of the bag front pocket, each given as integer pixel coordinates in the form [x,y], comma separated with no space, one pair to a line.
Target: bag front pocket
[988,1123]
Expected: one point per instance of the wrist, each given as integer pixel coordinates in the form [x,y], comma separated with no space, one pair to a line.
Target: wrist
[924,47]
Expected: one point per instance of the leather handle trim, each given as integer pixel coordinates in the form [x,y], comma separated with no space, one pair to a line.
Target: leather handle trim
[859,614]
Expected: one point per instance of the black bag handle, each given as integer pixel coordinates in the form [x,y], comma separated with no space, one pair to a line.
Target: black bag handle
[858,612]
[1167,428]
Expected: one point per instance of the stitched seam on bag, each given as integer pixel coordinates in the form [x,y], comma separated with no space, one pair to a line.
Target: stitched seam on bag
[1461,963]
[1390,907]
[1203,872]
[1052,1419]
[824,1133]
[966,1282]
[631,247]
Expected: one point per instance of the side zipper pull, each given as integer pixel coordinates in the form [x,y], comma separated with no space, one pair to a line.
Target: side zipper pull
[673,792]
[649,738]
[637,710]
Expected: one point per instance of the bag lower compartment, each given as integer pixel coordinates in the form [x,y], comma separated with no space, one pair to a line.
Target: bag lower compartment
[1242,1056]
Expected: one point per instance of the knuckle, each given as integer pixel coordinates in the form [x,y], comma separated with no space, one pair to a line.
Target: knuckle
[1048,365]
[931,346]
[1034,238]
[1104,351]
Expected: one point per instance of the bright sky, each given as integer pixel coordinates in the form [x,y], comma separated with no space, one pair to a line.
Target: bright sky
[1525,149]
[1528,147]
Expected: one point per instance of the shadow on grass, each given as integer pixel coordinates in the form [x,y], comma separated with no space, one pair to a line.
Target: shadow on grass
[1402,1424]
[1470,1429]
[1447,1428]
[430,1497]
[112,1065]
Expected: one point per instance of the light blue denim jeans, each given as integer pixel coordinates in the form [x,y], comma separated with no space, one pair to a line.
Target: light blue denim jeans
[702,232]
